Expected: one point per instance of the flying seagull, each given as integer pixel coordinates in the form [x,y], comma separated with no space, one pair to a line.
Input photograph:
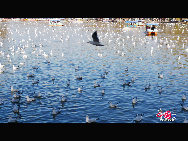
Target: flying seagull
[95,40]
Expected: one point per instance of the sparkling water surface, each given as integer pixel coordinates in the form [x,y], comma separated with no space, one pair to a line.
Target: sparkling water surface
[57,51]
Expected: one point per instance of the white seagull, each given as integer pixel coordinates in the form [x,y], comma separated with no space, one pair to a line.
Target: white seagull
[55,111]
[1,66]
[29,99]
[15,67]
[134,100]
[138,117]
[112,105]
[24,56]
[63,99]
[13,90]
[80,89]
[92,120]
[103,91]
[183,97]
[160,75]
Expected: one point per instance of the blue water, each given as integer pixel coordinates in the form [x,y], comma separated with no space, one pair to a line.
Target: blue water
[122,48]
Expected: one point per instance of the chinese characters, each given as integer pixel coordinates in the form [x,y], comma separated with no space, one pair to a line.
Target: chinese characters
[166,116]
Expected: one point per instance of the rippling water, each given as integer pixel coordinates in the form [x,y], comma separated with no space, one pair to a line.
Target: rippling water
[66,48]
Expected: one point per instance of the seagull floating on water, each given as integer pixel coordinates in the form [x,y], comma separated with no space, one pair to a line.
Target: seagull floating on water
[134,100]
[160,90]
[112,105]
[63,99]
[1,71]
[103,76]
[24,56]
[35,67]
[80,89]
[29,99]
[16,96]
[1,66]
[183,97]
[76,68]
[96,85]
[126,69]
[13,90]
[133,79]
[138,117]
[184,107]
[53,79]
[15,67]
[21,63]
[160,75]
[106,72]
[126,84]
[148,87]
[37,95]
[68,82]
[79,77]
[30,75]
[103,91]
[35,82]
[55,111]
[95,40]
[92,120]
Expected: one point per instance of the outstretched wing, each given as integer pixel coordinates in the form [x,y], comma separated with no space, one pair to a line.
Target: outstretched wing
[94,36]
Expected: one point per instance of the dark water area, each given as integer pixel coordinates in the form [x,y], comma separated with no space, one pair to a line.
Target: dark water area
[58,54]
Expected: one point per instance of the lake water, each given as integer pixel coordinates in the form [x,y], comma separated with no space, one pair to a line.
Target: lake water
[57,51]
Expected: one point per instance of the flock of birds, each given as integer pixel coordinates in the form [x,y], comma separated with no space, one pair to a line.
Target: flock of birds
[18,94]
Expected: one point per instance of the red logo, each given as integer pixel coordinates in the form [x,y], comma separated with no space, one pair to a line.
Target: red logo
[167,116]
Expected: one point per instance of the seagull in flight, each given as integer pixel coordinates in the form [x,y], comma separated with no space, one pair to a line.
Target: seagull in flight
[95,40]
